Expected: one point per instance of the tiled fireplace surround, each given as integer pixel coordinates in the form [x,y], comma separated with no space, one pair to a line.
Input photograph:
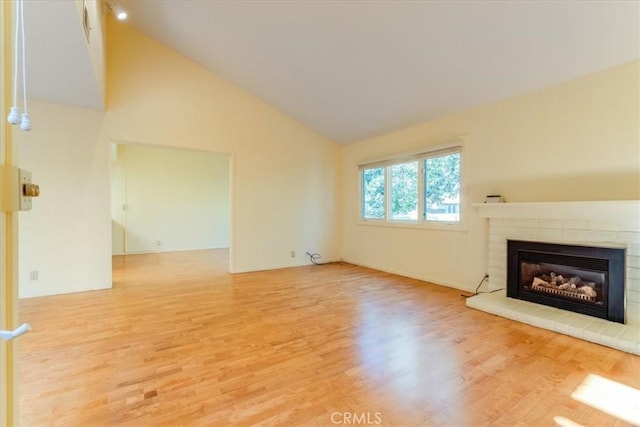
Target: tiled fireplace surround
[603,223]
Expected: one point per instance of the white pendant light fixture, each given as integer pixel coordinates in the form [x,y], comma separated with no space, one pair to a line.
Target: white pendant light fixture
[14,113]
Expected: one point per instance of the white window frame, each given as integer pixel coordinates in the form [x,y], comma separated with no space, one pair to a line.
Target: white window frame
[420,156]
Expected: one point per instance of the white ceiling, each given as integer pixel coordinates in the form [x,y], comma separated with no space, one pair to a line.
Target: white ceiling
[356,69]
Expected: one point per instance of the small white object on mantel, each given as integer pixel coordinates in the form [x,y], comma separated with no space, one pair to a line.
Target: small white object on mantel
[494,198]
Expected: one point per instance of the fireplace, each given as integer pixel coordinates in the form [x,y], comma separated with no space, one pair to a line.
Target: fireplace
[583,279]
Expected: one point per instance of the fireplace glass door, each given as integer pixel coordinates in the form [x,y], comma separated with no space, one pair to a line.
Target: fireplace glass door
[564,282]
[583,279]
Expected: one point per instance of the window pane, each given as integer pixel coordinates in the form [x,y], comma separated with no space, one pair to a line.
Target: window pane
[404,191]
[373,193]
[442,188]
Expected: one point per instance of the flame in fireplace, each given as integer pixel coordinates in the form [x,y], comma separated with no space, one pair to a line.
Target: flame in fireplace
[618,400]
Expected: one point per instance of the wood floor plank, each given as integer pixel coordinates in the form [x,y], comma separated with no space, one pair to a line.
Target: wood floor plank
[179,341]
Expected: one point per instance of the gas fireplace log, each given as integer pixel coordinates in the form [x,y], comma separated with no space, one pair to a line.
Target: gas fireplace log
[569,286]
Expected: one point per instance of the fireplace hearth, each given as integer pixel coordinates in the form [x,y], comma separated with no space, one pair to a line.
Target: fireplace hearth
[583,279]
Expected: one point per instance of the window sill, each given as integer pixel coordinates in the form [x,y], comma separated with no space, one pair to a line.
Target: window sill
[458,227]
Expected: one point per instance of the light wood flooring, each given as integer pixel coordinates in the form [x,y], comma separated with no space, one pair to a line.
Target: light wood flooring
[178,341]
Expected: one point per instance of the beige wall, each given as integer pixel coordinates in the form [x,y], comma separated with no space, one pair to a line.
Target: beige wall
[286,177]
[578,140]
[296,190]
[177,197]
[66,237]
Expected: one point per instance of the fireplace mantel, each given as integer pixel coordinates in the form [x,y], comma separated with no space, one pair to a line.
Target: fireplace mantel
[610,210]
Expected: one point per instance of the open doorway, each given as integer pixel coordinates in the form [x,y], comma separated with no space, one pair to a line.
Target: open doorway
[168,201]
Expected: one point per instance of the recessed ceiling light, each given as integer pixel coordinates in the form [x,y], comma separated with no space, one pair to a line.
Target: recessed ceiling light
[117,10]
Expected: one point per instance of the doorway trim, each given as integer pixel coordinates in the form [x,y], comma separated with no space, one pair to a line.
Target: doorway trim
[231,186]
[8,237]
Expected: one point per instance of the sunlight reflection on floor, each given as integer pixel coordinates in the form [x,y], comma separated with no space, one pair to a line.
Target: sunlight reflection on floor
[566,422]
[618,400]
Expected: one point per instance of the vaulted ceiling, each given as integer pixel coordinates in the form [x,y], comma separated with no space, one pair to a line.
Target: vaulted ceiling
[356,69]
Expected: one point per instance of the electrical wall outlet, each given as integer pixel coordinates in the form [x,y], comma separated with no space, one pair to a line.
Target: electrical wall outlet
[34,275]
[293,254]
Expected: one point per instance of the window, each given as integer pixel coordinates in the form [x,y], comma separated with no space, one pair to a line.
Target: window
[442,188]
[373,205]
[404,191]
[425,186]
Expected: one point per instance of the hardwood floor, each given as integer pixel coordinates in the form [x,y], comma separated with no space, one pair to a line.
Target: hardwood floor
[178,341]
